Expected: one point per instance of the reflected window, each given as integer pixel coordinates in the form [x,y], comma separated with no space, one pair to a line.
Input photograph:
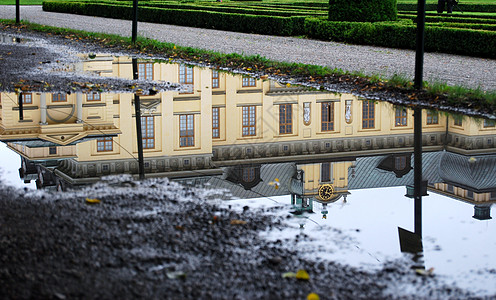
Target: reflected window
[186,130]
[52,150]
[489,123]
[325,172]
[285,118]
[93,97]
[400,117]
[458,121]
[215,123]
[368,114]
[400,162]
[59,98]
[327,116]
[249,120]
[248,81]
[432,118]
[104,144]
[185,74]
[148,132]
[145,71]
[248,174]
[215,79]
[27,98]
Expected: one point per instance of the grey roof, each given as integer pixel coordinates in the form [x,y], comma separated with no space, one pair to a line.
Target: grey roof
[367,175]
[268,173]
[476,173]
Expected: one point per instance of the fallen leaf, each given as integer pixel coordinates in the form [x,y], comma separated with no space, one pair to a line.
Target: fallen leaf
[238,222]
[176,275]
[313,296]
[302,275]
[92,201]
[289,275]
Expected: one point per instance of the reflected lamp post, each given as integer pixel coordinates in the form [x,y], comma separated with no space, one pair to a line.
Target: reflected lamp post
[139,135]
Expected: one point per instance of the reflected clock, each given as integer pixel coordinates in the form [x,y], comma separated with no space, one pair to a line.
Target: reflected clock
[326,191]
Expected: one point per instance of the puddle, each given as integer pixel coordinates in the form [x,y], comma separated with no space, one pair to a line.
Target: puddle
[275,146]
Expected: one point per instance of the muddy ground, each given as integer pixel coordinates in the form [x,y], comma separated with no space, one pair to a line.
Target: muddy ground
[155,239]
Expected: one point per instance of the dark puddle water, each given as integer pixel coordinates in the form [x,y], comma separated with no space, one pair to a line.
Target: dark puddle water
[341,165]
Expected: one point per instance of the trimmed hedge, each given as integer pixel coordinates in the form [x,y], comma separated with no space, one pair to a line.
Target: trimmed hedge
[272,25]
[362,10]
[434,19]
[447,40]
[463,7]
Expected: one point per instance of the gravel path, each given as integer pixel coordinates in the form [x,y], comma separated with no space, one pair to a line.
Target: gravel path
[452,69]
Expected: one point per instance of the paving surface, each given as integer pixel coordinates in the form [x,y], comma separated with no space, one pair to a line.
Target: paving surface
[438,67]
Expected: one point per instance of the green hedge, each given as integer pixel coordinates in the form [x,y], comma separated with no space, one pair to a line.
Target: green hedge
[463,7]
[447,40]
[434,19]
[271,25]
[362,10]
[239,10]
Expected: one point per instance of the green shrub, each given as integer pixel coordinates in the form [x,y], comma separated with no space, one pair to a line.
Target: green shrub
[400,35]
[362,10]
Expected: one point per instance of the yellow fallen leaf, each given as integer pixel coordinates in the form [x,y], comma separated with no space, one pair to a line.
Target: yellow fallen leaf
[92,201]
[238,222]
[302,275]
[313,296]
[289,275]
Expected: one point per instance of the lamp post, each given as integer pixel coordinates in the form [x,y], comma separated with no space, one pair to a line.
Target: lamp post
[135,21]
[419,54]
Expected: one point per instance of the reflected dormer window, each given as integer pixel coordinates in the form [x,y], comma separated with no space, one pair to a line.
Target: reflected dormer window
[325,172]
[248,174]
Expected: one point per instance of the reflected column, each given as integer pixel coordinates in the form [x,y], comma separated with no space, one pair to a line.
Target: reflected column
[43,109]
[79,107]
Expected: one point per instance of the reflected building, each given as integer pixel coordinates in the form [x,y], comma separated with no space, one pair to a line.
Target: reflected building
[236,127]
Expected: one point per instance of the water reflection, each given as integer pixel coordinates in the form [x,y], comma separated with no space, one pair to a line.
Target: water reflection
[253,137]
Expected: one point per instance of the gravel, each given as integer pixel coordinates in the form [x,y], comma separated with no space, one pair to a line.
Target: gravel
[438,67]
[158,240]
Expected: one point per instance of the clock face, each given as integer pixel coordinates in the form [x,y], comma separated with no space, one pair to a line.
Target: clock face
[326,191]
